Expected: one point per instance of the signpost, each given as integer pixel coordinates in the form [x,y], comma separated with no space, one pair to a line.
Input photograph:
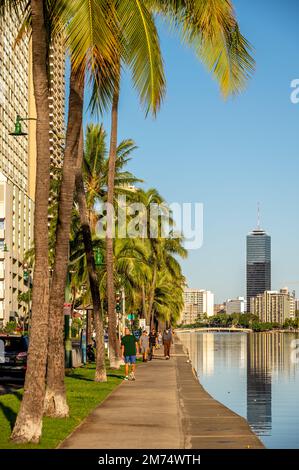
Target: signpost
[68,342]
[83,345]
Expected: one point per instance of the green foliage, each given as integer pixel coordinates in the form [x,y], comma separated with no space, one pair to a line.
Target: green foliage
[76,327]
[25,297]
[241,320]
[10,327]
[135,259]
[291,323]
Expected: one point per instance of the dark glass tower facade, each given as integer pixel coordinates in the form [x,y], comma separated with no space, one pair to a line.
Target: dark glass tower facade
[258,263]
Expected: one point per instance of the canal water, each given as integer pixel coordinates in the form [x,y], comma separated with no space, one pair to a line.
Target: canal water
[256,375]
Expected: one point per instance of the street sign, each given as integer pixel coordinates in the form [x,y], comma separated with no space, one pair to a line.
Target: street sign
[67,308]
[131,316]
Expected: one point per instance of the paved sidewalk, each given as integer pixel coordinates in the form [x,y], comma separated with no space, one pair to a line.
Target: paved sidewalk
[165,408]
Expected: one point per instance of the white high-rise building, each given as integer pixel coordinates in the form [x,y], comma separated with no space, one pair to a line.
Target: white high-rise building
[235,305]
[197,302]
[273,306]
[18,156]
[16,179]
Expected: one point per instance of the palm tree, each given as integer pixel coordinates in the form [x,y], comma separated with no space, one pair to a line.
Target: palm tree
[141,52]
[55,399]
[90,52]
[168,298]
[90,41]
[95,170]
[100,374]
[212,29]
[94,179]
[29,420]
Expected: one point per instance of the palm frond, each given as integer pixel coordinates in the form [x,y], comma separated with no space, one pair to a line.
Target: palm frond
[90,34]
[211,27]
[141,52]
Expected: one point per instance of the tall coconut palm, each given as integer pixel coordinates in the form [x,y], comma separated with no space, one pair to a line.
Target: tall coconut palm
[55,399]
[100,374]
[90,40]
[29,420]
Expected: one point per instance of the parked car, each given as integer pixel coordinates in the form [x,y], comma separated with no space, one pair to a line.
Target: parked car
[13,355]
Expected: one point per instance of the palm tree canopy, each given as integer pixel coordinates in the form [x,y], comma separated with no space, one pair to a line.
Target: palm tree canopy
[211,27]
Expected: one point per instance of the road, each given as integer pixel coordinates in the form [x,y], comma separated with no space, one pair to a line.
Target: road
[10,385]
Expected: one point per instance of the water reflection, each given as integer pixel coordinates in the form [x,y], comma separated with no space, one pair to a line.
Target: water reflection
[253,374]
[259,387]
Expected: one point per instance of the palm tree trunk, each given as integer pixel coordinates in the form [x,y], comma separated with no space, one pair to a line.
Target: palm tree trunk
[143,301]
[151,297]
[28,426]
[100,374]
[55,404]
[112,323]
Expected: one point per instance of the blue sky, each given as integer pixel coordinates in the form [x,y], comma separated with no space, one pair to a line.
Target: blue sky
[228,155]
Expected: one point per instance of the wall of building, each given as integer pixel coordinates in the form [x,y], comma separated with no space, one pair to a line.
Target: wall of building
[273,306]
[18,154]
[235,306]
[197,302]
[17,203]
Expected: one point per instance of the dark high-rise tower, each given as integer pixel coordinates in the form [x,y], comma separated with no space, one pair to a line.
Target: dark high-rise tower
[258,263]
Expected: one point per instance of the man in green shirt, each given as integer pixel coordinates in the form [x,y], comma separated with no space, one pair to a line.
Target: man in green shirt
[129,349]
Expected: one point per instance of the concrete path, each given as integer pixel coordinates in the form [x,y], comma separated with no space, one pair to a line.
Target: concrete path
[165,408]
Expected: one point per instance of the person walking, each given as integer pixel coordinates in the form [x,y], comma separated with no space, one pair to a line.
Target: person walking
[129,349]
[144,345]
[159,339]
[167,342]
[152,343]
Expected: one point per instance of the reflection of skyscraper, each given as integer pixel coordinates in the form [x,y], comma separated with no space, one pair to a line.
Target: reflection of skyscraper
[208,353]
[258,263]
[259,387]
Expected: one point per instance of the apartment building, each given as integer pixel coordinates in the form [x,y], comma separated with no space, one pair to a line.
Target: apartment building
[274,306]
[18,155]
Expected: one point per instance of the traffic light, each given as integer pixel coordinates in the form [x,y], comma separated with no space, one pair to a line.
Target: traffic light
[118,303]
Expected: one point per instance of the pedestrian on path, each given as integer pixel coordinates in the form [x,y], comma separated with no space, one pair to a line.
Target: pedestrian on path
[152,343]
[167,342]
[159,341]
[129,349]
[144,345]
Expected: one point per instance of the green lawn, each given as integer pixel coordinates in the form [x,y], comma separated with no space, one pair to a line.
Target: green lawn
[83,396]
